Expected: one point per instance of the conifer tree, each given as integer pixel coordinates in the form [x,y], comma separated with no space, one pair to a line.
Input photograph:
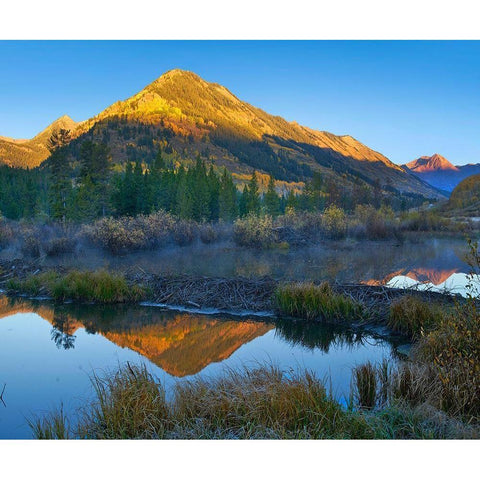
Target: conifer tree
[60,181]
[271,199]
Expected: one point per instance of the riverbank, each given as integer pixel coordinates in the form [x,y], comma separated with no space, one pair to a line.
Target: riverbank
[199,293]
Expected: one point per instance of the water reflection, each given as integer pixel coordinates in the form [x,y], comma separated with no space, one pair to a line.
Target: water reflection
[432,259]
[47,351]
[180,343]
[309,335]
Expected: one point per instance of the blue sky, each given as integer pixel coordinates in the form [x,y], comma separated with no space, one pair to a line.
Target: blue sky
[404,99]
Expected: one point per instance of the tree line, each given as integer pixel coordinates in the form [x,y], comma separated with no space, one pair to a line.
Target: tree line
[88,188]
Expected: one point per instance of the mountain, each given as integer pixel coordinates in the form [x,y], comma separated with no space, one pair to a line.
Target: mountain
[439,172]
[465,198]
[186,116]
[31,153]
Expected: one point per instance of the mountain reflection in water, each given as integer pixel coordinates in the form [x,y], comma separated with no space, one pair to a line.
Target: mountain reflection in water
[47,351]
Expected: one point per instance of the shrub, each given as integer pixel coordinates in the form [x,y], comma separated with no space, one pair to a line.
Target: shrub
[6,233]
[208,234]
[30,247]
[334,222]
[184,232]
[59,246]
[412,316]
[311,302]
[254,231]
[375,224]
[124,234]
[425,220]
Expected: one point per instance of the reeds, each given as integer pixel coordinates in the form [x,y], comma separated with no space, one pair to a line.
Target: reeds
[315,302]
[365,385]
[412,316]
[128,404]
[245,404]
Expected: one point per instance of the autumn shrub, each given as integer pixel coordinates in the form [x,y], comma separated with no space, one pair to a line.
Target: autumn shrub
[373,224]
[124,234]
[59,246]
[184,232]
[254,231]
[31,246]
[334,222]
[208,234]
[425,221]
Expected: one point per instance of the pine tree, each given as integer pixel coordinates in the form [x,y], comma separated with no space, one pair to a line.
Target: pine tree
[271,199]
[227,201]
[60,182]
[253,198]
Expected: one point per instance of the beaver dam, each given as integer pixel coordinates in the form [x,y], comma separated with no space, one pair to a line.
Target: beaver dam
[237,295]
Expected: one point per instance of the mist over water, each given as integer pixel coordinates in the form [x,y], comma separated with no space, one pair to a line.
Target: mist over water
[431,260]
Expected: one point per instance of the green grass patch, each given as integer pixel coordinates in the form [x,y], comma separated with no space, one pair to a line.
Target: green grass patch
[315,302]
[83,286]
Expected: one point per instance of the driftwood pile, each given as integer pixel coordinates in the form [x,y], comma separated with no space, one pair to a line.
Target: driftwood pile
[233,294]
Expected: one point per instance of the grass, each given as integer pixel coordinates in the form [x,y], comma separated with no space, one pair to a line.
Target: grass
[313,302]
[99,286]
[365,385]
[412,316]
[241,404]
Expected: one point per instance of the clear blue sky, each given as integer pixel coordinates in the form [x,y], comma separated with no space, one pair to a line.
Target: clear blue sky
[404,99]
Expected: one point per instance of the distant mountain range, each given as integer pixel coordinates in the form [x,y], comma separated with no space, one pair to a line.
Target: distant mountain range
[186,116]
[439,172]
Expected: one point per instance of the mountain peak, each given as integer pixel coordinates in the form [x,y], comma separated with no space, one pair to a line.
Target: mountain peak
[64,122]
[431,164]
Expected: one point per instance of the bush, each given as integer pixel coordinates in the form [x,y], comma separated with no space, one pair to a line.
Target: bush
[334,222]
[208,234]
[374,224]
[6,233]
[311,302]
[59,246]
[425,221]
[30,247]
[184,232]
[254,231]
[124,234]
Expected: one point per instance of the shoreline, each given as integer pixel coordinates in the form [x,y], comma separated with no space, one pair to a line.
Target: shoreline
[238,296]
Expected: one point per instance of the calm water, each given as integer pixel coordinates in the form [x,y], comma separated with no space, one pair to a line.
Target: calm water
[433,260]
[47,353]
